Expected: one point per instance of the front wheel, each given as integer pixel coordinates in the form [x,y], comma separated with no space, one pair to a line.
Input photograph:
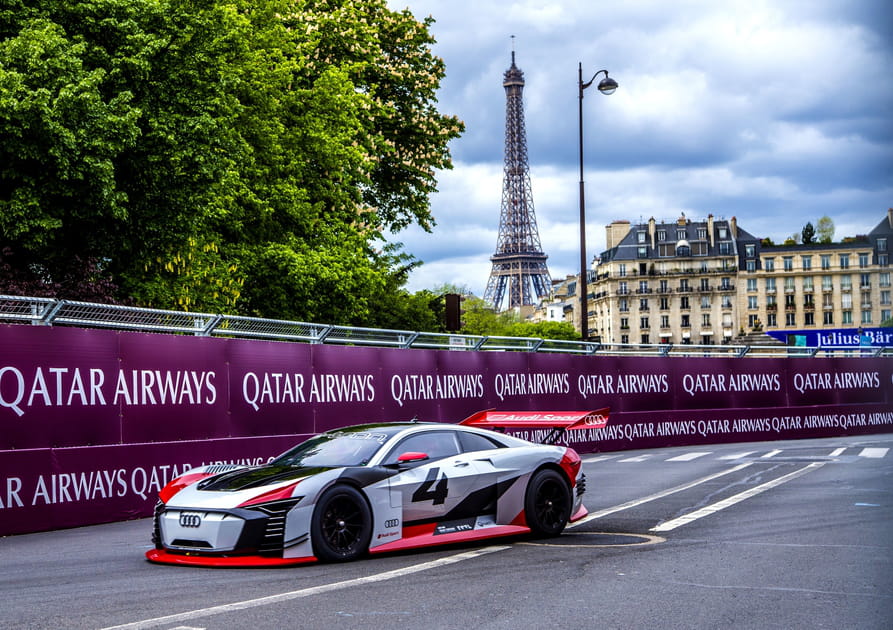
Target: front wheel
[547,504]
[342,525]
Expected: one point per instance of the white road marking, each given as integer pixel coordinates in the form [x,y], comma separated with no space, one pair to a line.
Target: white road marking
[640,458]
[736,456]
[635,502]
[875,453]
[306,592]
[721,505]
[687,457]
[837,452]
[772,453]
[598,458]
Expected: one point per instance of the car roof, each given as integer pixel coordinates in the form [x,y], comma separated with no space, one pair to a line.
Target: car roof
[392,428]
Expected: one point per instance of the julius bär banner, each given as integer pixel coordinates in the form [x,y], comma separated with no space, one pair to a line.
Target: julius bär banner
[93,422]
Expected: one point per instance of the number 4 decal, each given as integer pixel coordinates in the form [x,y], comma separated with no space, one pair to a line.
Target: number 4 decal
[428,491]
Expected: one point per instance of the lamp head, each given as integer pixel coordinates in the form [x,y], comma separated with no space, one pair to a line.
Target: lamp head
[607,86]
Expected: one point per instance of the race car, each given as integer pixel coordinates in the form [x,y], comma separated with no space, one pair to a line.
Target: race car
[375,488]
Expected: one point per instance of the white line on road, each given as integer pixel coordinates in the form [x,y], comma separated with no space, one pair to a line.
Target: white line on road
[687,457]
[837,452]
[640,458]
[771,453]
[736,456]
[874,452]
[721,505]
[635,502]
[599,458]
[306,592]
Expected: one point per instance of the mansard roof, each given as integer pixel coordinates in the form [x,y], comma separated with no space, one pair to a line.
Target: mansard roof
[884,228]
[680,238]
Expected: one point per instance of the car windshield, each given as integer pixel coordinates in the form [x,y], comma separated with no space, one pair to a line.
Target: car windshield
[334,449]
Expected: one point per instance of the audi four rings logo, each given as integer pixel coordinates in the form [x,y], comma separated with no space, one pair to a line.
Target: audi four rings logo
[190,520]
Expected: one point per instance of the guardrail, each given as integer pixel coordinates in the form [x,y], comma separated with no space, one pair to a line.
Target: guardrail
[54,312]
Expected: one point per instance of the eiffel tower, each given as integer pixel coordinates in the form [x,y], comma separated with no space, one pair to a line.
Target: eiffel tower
[519,266]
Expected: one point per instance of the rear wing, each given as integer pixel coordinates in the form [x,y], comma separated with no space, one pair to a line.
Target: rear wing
[558,421]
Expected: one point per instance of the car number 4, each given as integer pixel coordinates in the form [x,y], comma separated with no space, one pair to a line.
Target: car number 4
[432,488]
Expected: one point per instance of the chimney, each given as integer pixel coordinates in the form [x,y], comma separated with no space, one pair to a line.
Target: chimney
[710,229]
[615,233]
[890,217]
[652,231]
[733,227]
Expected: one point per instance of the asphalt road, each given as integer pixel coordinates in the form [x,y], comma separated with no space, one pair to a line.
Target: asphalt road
[772,535]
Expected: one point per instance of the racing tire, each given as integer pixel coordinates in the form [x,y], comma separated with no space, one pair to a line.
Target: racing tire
[342,525]
[548,503]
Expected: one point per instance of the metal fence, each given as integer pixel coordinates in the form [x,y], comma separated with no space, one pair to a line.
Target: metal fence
[53,312]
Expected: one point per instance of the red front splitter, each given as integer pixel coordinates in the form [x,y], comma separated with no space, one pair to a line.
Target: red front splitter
[579,514]
[163,557]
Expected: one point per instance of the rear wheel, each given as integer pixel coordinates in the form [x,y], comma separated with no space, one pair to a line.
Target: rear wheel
[547,504]
[342,525]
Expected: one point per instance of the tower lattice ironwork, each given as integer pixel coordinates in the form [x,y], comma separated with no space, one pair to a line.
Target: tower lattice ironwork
[519,275]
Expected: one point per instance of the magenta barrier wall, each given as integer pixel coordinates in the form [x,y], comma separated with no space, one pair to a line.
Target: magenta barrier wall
[93,423]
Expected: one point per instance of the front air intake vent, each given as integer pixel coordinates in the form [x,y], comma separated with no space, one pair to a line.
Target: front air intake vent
[273,539]
[156,525]
[191,544]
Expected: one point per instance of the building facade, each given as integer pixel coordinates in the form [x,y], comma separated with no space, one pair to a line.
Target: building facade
[802,288]
[708,282]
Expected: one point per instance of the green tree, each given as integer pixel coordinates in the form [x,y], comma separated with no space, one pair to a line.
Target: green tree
[397,308]
[60,133]
[232,155]
[808,234]
[544,330]
[825,230]
[481,319]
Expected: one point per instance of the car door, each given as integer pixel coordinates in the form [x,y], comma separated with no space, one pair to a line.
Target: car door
[433,489]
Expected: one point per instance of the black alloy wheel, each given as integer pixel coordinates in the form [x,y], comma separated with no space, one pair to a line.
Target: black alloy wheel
[342,525]
[547,504]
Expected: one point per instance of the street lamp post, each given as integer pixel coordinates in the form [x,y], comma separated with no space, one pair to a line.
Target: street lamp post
[606,86]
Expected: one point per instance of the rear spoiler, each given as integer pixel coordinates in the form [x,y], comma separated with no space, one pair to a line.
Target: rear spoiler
[558,421]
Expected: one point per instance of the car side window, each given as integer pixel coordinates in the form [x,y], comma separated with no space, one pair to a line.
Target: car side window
[473,442]
[436,444]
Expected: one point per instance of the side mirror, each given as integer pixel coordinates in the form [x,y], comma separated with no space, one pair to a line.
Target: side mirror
[412,457]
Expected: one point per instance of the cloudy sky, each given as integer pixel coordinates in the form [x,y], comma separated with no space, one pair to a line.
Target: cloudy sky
[775,112]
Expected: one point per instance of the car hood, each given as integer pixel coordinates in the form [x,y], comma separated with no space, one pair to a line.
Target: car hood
[248,478]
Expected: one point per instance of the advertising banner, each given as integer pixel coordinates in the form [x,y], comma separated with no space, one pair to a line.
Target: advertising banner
[94,422]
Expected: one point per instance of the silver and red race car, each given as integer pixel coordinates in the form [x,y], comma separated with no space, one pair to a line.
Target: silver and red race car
[375,488]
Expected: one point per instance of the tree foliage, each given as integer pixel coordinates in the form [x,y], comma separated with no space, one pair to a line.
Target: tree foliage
[544,330]
[479,318]
[227,155]
[825,230]
[808,234]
